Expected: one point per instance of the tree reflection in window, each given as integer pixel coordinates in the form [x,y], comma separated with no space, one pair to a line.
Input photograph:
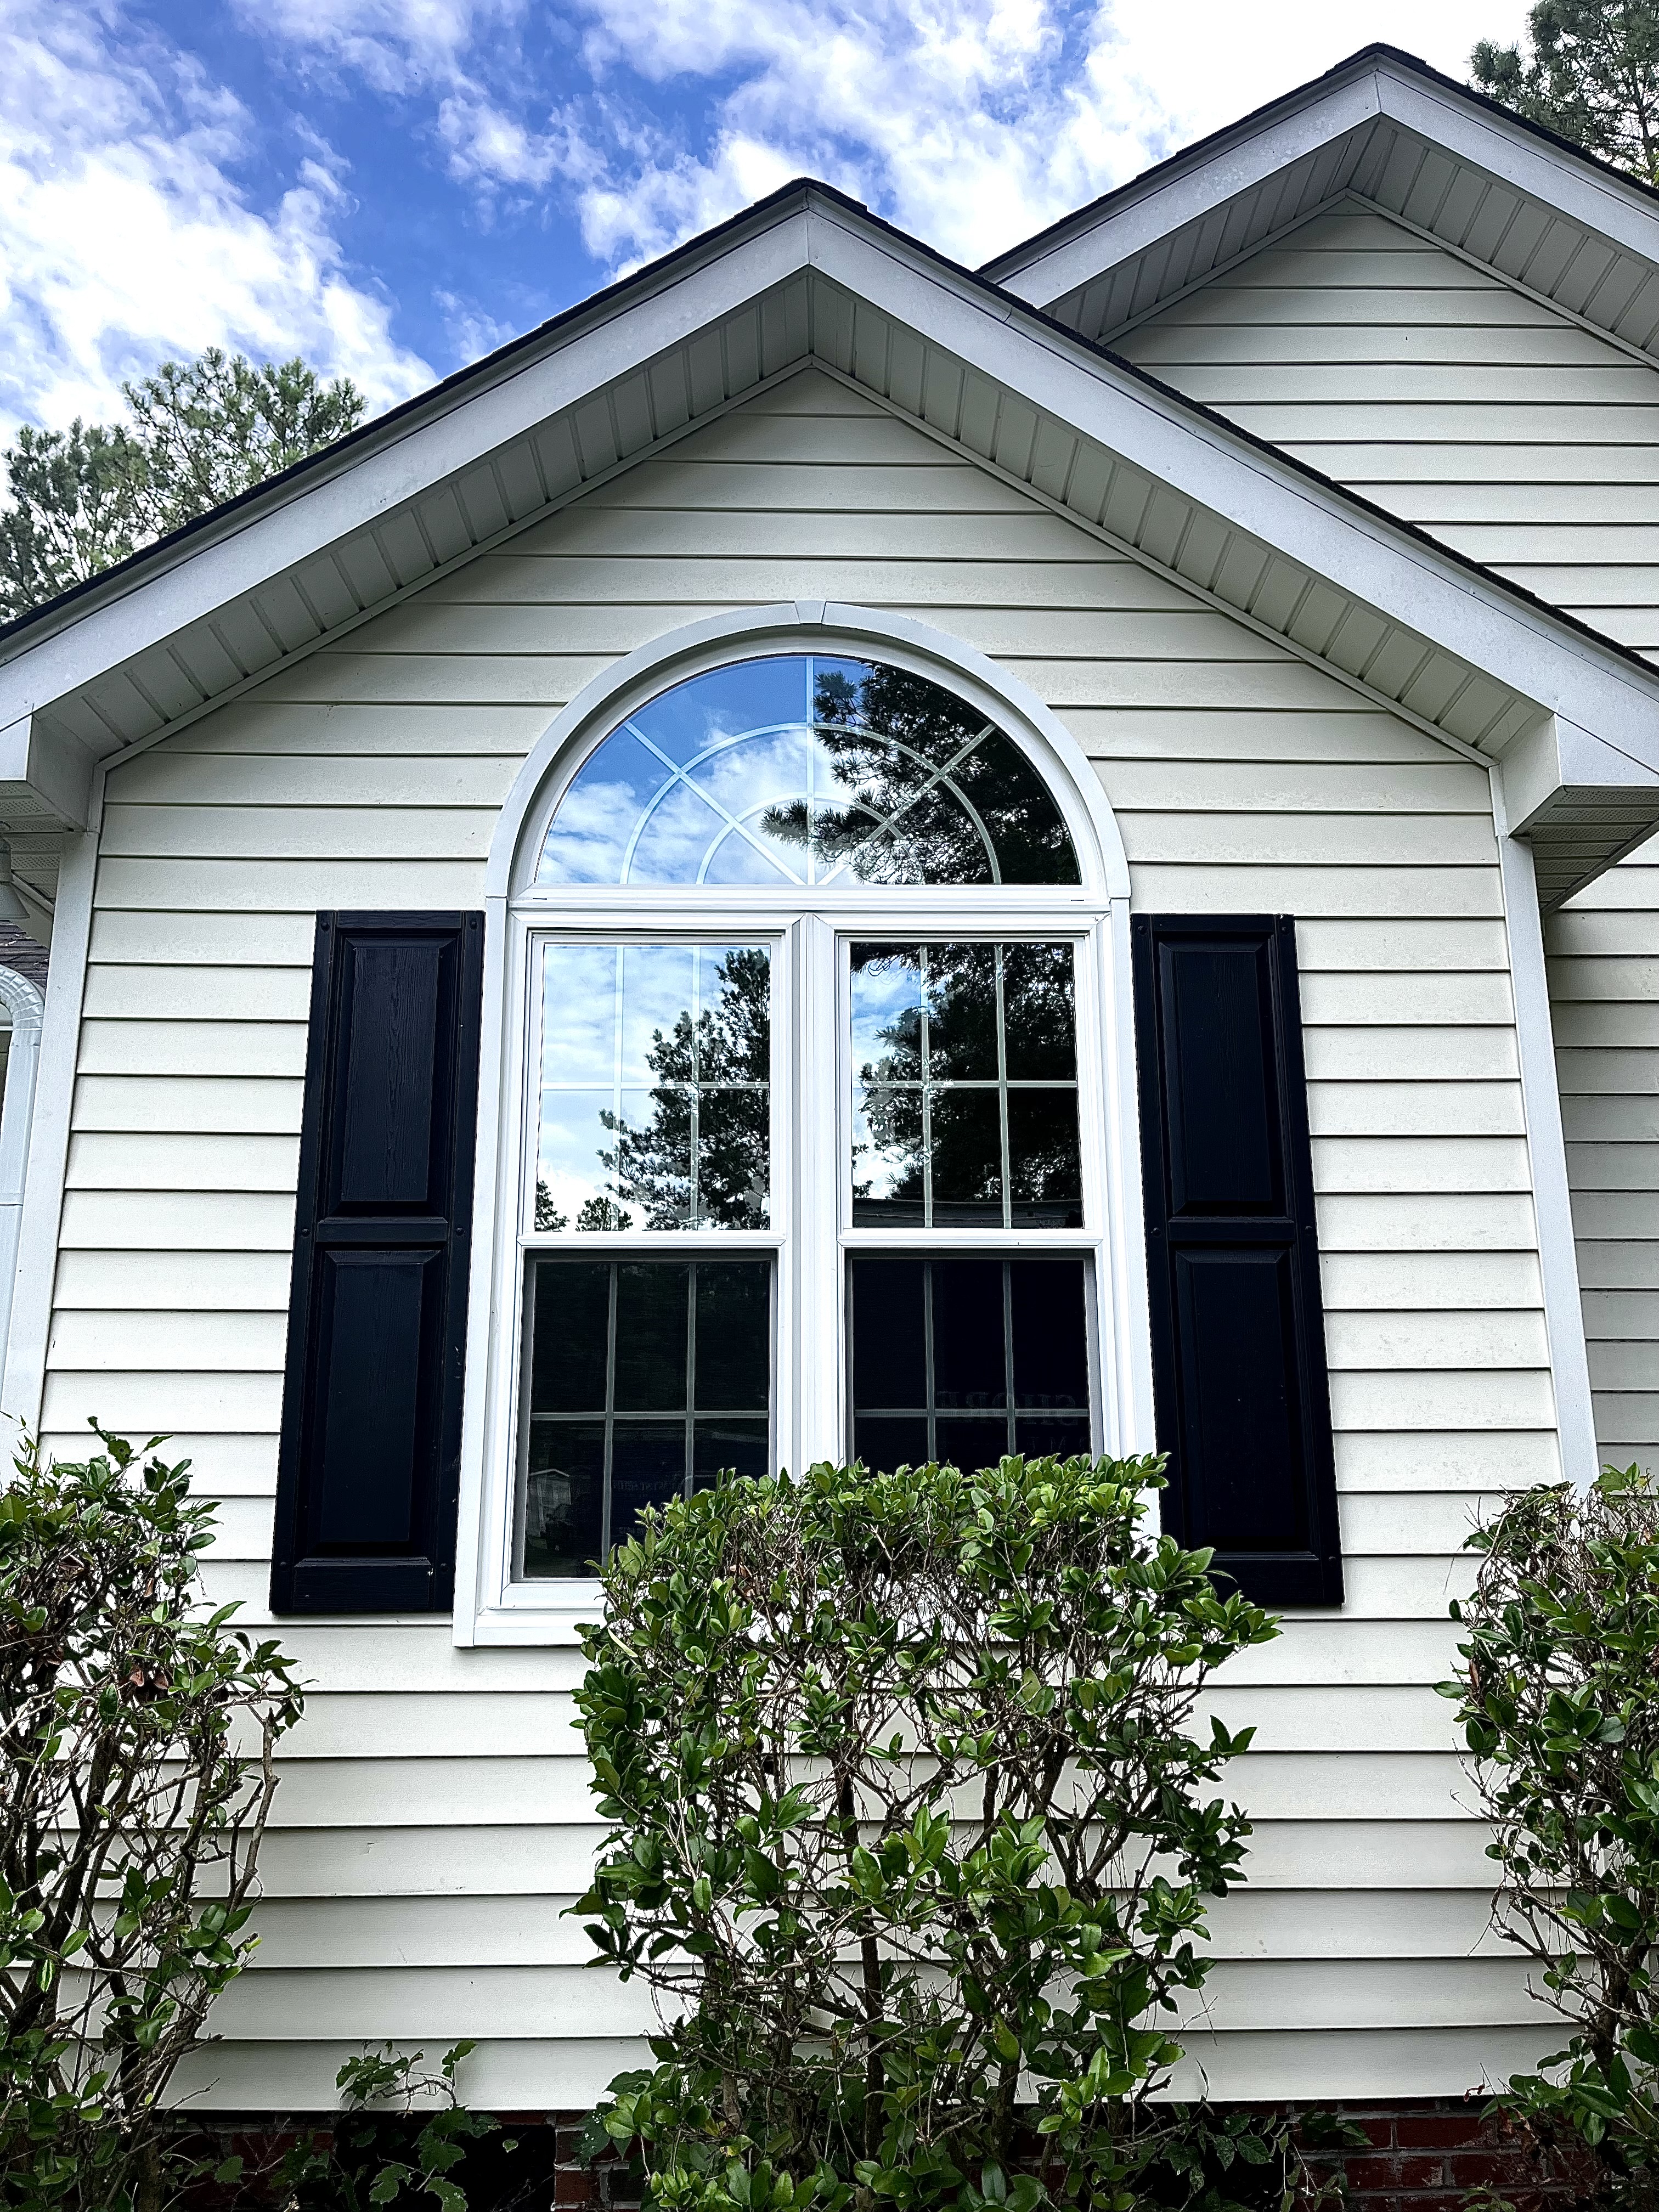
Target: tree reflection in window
[964,1096]
[655,1093]
[802,768]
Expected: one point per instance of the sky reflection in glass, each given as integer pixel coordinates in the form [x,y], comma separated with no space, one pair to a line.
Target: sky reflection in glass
[800,768]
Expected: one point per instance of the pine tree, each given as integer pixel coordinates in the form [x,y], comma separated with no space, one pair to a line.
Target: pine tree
[199,432]
[1592,76]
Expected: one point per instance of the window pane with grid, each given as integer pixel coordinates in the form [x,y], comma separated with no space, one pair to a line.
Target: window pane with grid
[807,769]
[964,1060]
[934,1342]
[655,1091]
[646,1379]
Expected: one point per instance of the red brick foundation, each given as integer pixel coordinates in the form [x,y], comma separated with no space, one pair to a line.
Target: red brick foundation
[1420,2155]
[1426,2155]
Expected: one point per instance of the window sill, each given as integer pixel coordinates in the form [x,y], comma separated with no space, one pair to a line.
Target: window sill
[527,1613]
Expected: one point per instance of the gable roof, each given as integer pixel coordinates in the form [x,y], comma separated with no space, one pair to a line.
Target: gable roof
[1385,127]
[810,276]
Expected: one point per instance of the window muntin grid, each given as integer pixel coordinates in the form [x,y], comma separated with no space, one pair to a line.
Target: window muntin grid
[645,1378]
[807,769]
[961,1358]
[654,1095]
[965,1086]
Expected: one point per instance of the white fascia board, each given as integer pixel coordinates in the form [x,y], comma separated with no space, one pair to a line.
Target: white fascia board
[1166,204]
[1504,150]
[1366,556]
[303,520]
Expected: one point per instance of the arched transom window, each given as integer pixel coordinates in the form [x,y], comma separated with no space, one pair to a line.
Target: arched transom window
[805,768]
[808,1160]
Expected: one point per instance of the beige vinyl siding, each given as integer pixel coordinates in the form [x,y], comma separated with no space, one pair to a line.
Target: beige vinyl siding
[1531,444]
[1512,433]
[434,1815]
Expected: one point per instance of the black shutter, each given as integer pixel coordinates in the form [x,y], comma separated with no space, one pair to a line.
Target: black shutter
[369,1461]
[1238,1332]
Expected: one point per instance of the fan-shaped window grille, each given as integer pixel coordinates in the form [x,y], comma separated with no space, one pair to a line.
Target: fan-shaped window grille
[800,768]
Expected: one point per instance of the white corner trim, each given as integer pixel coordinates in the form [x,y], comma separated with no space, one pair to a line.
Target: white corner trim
[41,1214]
[27,1007]
[1546,1152]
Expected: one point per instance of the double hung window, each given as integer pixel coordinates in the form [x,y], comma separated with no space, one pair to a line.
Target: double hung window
[808,1160]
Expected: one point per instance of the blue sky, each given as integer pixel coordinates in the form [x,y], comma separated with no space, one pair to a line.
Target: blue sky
[392,186]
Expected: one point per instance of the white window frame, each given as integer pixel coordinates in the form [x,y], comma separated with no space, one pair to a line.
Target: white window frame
[811,1233]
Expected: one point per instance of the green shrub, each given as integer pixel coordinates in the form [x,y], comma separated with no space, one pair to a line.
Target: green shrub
[1558,1700]
[138,1733]
[911,1840]
[400,2130]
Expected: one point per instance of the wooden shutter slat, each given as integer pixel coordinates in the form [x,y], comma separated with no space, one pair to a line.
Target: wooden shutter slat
[1232,1256]
[369,1457]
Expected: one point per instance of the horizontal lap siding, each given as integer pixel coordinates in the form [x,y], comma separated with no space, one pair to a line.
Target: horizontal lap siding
[1527,442]
[441,1789]
[1533,446]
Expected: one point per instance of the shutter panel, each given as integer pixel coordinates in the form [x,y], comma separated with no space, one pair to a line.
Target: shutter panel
[1237,1324]
[369,1461]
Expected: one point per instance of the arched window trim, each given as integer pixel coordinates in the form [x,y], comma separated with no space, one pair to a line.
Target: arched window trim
[488,1610]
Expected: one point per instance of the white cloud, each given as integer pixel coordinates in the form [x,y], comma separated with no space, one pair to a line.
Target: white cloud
[125,238]
[396,45]
[971,122]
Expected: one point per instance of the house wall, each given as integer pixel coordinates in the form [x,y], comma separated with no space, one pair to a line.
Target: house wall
[1532,444]
[433,1818]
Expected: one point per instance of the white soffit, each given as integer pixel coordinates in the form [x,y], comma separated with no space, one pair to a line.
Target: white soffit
[1389,130]
[811,278]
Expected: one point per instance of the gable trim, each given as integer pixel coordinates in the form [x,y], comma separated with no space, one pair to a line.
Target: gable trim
[1125,548]
[1378,82]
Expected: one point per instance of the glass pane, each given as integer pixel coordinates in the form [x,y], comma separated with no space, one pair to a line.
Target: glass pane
[564,1497]
[886,1444]
[657,1012]
[680,1135]
[970,1359]
[890,1333]
[616,1343]
[967,1157]
[829,764]
[962,1013]
[747,694]
[929,1359]
[1041,1012]
[1042,1435]
[588,842]
[727,1447]
[647,1468]
[579,1005]
[886,1012]
[973,1142]
[1045,1171]
[675,838]
[1050,1334]
[734,1334]
[1026,829]
[889,1179]
[652,1298]
[969,1444]
[571,1339]
[576,1161]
